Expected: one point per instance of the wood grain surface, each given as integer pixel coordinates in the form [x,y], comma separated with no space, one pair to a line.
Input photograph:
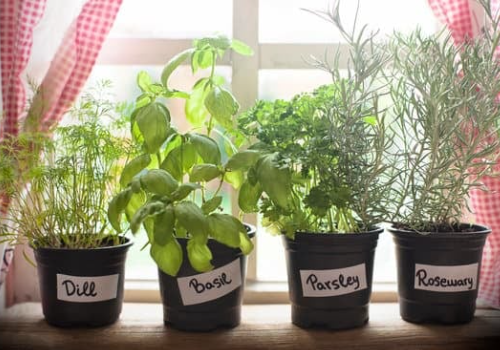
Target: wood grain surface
[263,327]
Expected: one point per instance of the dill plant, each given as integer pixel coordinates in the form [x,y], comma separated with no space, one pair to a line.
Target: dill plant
[60,187]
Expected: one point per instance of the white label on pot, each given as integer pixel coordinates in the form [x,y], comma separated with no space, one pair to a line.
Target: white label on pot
[89,289]
[329,283]
[458,278]
[211,285]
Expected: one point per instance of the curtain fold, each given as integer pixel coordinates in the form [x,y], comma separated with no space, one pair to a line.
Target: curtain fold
[17,22]
[73,63]
[464,23]
[67,74]
[18,18]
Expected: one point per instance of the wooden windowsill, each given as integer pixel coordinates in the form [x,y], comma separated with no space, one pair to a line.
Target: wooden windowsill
[263,327]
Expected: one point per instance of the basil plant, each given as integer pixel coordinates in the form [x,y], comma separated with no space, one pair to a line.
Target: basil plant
[173,188]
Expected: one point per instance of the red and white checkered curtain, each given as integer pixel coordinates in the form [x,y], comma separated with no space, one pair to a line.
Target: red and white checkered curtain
[65,78]
[464,23]
[17,22]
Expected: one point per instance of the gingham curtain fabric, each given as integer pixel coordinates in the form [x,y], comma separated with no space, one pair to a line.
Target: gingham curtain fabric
[458,16]
[17,21]
[68,71]
[73,62]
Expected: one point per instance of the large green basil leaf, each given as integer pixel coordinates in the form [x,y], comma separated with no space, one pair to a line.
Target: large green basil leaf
[225,229]
[180,160]
[222,105]
[204,172]
[168,257]
[241,48]
[206,147]
[159,181]
[164,224]
[153,121]
[134,167]
[191,217]
[249,196]
[144,212]
[173,163]
[234,178]
[184,190]
[194,109]
[136,201]
[212,204]
[243,160]
[117,207]
[199,256]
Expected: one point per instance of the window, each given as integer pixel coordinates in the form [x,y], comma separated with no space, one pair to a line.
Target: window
[147,33]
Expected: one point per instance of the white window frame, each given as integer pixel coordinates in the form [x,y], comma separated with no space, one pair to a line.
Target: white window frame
[245,85]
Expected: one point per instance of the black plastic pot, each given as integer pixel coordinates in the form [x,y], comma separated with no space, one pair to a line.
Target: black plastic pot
[204,302]
[330,278]
[82,287]
[438,274]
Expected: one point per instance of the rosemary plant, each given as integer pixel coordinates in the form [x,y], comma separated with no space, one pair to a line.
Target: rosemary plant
[328,148]
[60,200]
[447,112]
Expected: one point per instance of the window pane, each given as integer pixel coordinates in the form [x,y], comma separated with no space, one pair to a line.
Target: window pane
[285,21]
[139,265]
[271,264]
[169,19]
[285,83]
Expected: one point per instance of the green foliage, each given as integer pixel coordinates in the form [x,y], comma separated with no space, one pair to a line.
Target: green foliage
[324,164]
[222,105]
[60,188]
[446,109]
[226,229]
[153,121]
[173,188]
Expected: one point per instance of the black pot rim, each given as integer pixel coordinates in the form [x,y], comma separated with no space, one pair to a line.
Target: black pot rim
[126,244]
[375,230]
[480,230]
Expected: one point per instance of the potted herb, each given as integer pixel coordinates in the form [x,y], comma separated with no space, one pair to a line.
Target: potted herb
[60,190]
[325,175]
[446,107]
[173,189]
